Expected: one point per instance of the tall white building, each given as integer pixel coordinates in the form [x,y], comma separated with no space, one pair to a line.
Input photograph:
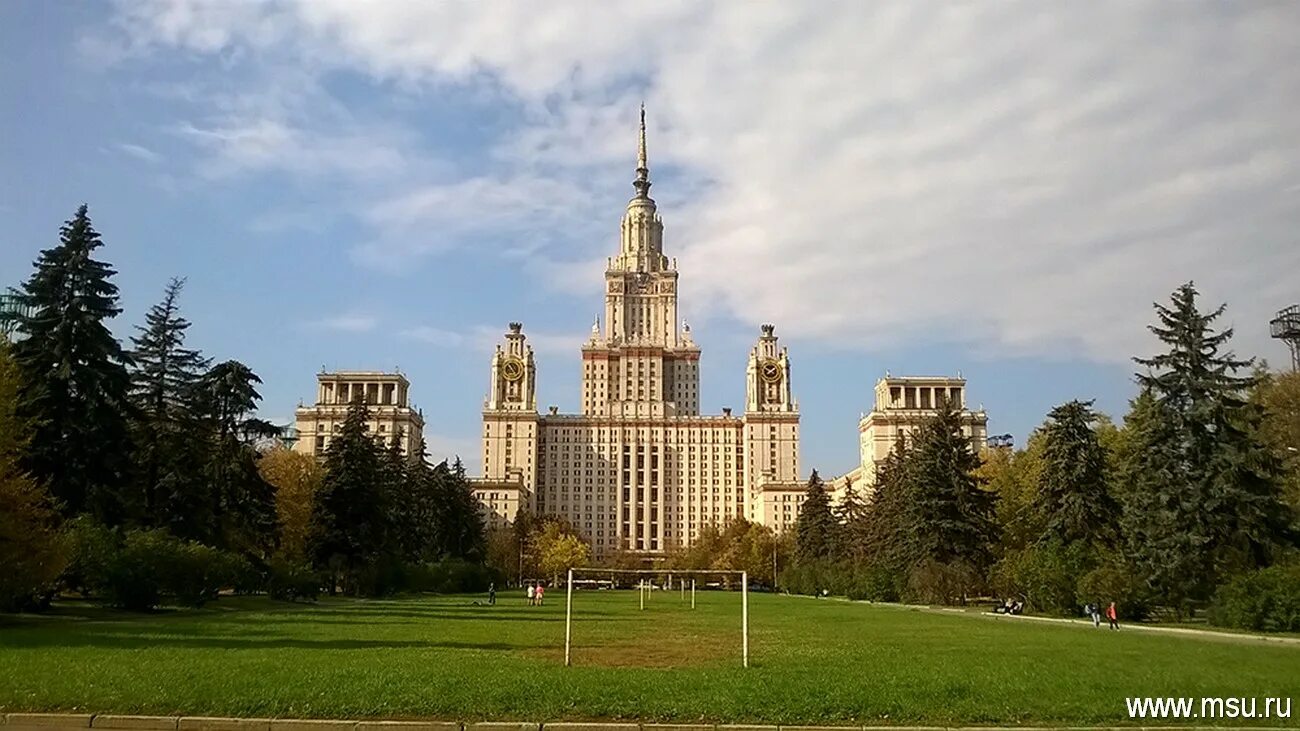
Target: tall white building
[639,468]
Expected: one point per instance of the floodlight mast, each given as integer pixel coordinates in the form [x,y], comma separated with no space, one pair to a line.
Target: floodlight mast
[1286,327]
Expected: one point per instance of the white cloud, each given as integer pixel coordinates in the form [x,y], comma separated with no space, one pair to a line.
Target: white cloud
[347,323]
[433,336]
[139,152]
[485,338]
[1022,178]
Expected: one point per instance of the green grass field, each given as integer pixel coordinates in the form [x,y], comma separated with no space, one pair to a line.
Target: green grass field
[812,661]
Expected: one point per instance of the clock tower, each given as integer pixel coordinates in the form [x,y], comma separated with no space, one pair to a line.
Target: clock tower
[510,423]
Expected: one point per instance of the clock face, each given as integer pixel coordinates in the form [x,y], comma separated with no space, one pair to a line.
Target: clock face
[512,369]
[770,370]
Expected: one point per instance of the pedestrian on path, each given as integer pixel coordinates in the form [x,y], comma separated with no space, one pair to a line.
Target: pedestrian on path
[492,593]
[532,594]
[1094,611]
[541,592]
[1113,616]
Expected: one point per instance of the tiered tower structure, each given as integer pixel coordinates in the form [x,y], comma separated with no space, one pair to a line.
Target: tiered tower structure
[387,395]
[902,404]
[638,468]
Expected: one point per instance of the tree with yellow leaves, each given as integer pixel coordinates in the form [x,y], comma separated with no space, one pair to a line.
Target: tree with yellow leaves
[296,478]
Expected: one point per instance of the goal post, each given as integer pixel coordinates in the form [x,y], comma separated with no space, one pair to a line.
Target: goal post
[642,590]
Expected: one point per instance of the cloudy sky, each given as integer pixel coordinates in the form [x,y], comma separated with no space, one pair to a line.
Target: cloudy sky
[1000,189]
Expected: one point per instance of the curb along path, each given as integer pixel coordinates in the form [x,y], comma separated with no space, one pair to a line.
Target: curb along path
[68,721]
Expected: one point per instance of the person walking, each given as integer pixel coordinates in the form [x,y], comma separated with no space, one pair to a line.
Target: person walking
[532,594]
[492,593]
[541,593]
[1094,611]
[1113,616]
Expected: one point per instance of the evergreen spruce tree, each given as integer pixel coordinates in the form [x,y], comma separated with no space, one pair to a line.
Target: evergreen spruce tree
[888,534]
[1074,497]
[162,390]
[350,517]
[949,517]
[1205,500]
[816,531]
[854,523]
[467,530]
[237,504]
[423,500]
[75,380]
[403,520]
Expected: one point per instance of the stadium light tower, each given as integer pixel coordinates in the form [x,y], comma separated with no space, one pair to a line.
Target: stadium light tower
[1286,327]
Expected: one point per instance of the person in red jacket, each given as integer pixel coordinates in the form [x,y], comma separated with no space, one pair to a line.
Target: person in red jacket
[1113,616]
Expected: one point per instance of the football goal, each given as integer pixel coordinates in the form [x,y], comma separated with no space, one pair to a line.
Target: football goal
[685,581]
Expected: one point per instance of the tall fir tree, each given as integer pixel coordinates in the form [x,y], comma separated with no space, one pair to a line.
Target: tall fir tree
[1206,498]
[349,526]
[949,517]
[854,525]
[816,531]
[75,380]
[1074,497]
[162,389]
[397,479]
[462,527]
[241,501]
[889,540]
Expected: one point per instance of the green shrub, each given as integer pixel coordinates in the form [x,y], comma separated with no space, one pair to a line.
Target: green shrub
[934,582]
[1045,577]
[874,583]
[140,569]
[93,548]
[153,565]
[292,581]
[1115,582]
[1266,600]
[453,576]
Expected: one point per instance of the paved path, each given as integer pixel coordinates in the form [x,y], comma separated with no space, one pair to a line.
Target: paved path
[1087,623]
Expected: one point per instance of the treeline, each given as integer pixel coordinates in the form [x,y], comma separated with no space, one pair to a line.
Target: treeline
[140,474]
[1190,504]
[545,547]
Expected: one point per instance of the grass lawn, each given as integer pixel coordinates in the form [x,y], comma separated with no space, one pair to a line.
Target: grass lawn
[812,661]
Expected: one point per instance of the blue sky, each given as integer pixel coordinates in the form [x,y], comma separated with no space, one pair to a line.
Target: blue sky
[997,190]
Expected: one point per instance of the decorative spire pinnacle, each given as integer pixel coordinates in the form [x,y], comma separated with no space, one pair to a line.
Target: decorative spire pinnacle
[642,182]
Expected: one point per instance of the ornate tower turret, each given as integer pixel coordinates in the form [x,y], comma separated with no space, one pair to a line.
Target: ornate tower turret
[640,282]
[767,380]
[513,386]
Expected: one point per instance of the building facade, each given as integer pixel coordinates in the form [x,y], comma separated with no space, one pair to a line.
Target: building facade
[902,404]
[639,468]
[387,395]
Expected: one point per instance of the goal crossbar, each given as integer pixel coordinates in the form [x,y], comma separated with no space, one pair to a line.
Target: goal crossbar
[744,601]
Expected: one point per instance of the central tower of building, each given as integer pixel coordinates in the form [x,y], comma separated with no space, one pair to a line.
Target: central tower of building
[642,365]
[639,469]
